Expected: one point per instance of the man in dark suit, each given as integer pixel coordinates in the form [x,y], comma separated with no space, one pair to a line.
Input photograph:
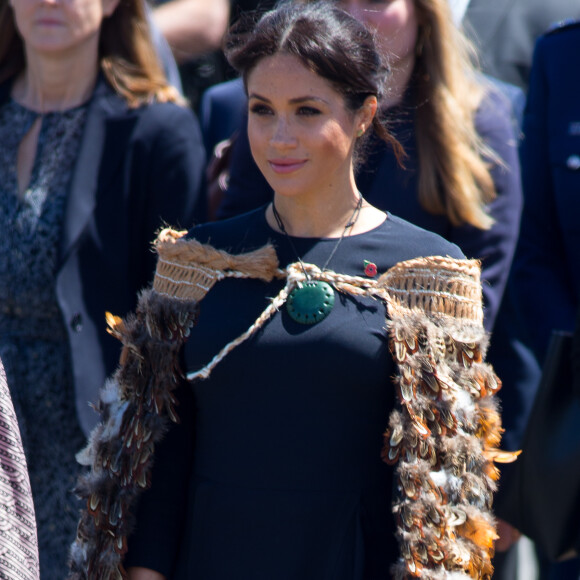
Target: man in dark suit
[547,261]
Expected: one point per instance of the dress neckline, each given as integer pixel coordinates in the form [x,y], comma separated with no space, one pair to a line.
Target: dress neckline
[299,239]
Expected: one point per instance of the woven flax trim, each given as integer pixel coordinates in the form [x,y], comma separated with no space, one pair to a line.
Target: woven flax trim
[187,269]
[437,285]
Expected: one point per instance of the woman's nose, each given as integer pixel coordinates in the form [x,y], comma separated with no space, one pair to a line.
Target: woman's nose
[283,135]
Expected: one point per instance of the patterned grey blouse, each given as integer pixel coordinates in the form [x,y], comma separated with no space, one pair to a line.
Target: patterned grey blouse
[33,341]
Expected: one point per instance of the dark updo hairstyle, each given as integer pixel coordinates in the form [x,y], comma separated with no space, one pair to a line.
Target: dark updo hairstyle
[327,40]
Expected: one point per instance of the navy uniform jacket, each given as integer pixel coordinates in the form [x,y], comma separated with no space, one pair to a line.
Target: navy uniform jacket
[136,169]
[547,266]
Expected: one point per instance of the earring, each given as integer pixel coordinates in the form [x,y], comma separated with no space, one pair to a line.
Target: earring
[360,132]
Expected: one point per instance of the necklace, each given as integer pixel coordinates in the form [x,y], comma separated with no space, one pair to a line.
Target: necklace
[312,301]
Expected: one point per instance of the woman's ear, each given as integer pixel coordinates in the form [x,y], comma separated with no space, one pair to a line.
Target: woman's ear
[366,114]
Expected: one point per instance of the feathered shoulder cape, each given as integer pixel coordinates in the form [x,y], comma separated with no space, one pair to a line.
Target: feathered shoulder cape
[443,437]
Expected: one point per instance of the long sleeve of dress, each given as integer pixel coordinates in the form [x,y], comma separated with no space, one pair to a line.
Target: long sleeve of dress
[161,510]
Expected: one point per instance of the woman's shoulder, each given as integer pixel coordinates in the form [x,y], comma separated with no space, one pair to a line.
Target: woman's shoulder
[148,119]
[408,241]
[398,238]
[242,233]
[563,38]
[498,118]
[166,130]
[166,117]
[501,104]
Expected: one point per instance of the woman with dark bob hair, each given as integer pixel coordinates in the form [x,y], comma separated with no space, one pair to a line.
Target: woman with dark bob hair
[301,392]
[96,154]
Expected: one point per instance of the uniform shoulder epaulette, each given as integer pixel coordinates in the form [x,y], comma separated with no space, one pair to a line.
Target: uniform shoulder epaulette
[562,25]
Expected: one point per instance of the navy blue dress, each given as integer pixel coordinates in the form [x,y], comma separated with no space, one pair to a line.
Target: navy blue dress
[275,470]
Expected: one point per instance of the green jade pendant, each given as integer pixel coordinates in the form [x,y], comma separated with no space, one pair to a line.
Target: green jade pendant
[310,302]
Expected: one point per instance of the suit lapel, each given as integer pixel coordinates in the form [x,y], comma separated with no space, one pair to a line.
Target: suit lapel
[486,21]
[102,148]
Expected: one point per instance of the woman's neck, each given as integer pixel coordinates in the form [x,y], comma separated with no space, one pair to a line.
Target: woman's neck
[55,84]
[313,219]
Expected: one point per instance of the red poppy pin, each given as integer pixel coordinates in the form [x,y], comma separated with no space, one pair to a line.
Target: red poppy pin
[370,269]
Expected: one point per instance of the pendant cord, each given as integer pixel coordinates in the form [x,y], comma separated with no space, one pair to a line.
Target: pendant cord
[283,230]
[350,224]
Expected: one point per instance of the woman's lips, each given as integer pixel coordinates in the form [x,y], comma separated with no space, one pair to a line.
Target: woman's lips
[286,165]
[49,22]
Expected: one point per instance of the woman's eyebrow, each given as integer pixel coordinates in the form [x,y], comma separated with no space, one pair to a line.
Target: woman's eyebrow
[294,101]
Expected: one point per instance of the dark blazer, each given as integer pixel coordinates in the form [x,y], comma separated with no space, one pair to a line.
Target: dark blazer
[388,186]
[547,266]
[136,170]
[505,32]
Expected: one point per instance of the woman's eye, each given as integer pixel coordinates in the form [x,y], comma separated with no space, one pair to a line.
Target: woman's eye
[308,111]
[259,109]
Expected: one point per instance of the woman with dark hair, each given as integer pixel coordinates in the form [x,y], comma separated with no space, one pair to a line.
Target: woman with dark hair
[460,177]
[96,153]
[291,453]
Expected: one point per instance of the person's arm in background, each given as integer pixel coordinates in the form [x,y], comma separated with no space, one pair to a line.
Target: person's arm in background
[495,247]
[192,27]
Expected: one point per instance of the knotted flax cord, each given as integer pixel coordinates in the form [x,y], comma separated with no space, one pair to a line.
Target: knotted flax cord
[295,275]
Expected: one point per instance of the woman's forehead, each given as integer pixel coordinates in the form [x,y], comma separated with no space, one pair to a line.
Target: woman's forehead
[286,73]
